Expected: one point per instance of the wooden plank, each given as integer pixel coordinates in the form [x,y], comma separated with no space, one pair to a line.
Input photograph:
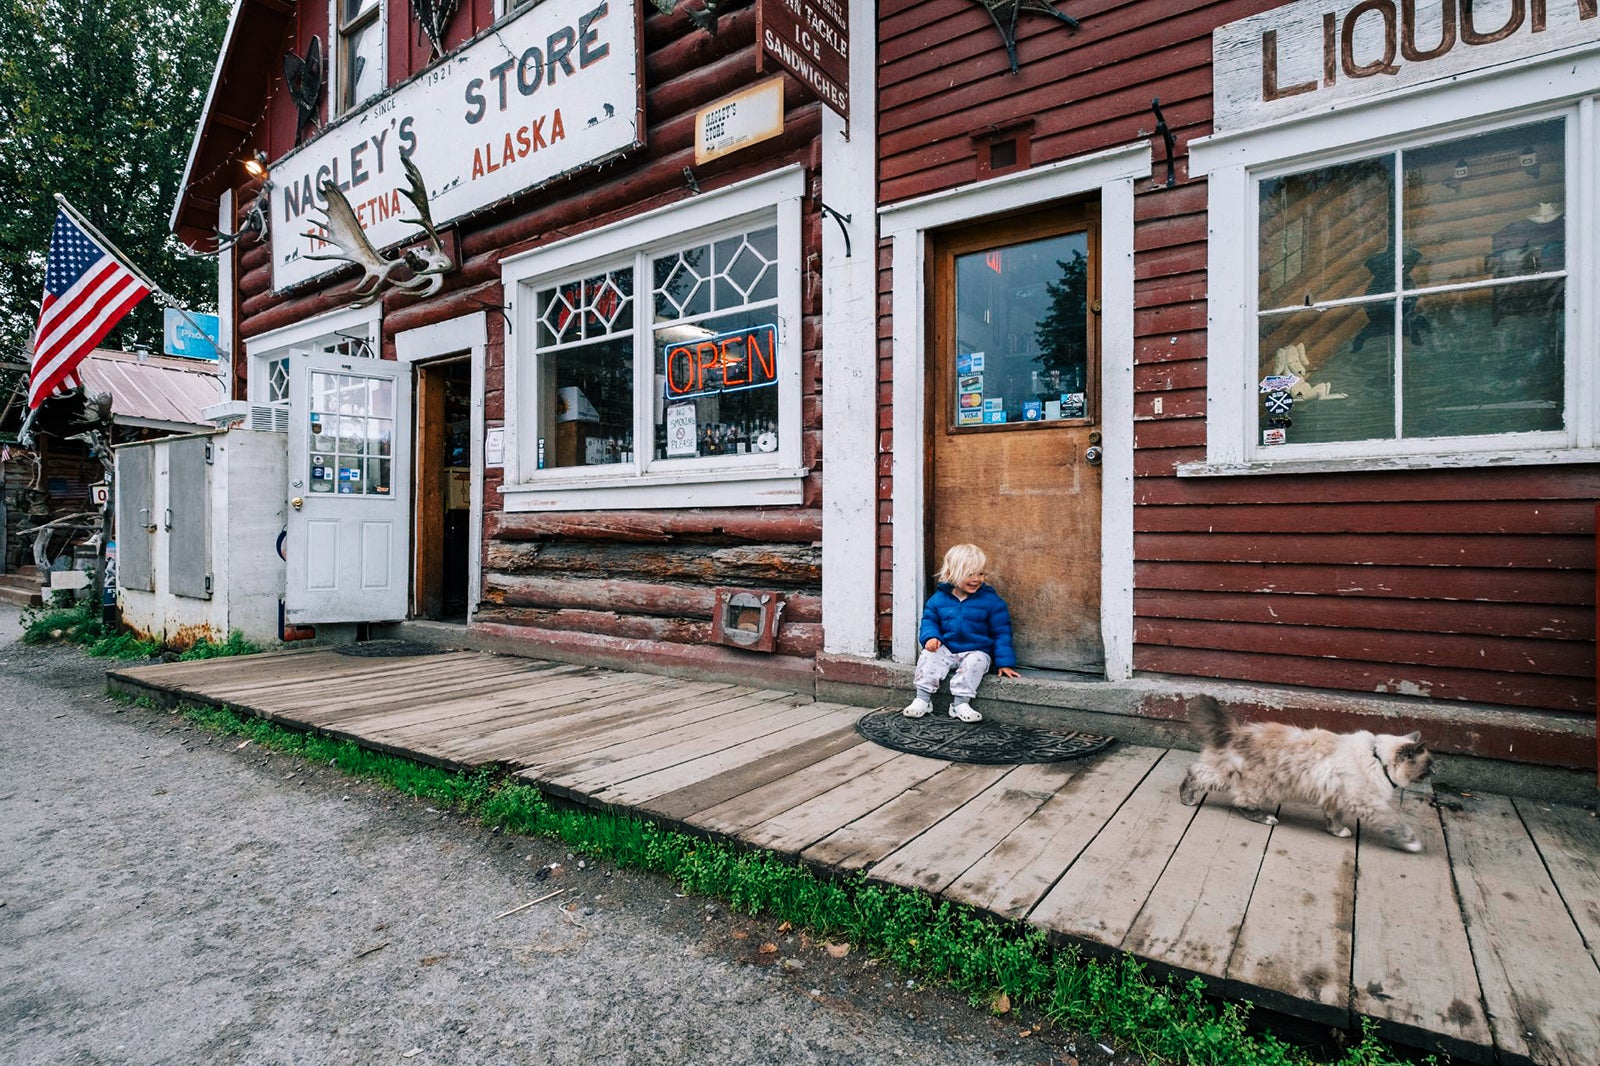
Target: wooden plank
[1540,984]
[514,703]
[1295,943]
[1568,839]
[1406,912]
[537,705]
[681,804]
[1192,916]
[933,860]
[767,801]
[593,775]
[825,727]
[863,841]
[312,695]
[624,738]
[1101,893]
[803,824]
[437,703]
[518,744]
[1023,866]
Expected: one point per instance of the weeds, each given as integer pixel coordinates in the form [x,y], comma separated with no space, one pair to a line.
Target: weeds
[80,625]
[936,941]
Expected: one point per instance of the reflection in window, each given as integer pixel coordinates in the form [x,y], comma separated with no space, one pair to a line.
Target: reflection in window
[1022,333]
[585,345]
[1430,299]
[351,434]
[360,55]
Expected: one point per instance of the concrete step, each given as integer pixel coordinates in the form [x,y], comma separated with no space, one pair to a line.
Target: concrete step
[22,588]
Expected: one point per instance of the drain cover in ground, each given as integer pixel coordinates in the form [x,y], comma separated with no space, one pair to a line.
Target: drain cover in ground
[940,737]
[378,649]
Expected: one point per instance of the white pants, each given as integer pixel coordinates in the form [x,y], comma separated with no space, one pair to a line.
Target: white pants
[932,666]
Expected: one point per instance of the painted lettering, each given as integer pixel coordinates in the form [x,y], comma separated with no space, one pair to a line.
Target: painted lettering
[588,54]
[358,169]
[1447,31]
[475,98]
[530,71]
[559,55]
[1269,71]
[1385,63]
[1471,35]
[499,74]
[408,138]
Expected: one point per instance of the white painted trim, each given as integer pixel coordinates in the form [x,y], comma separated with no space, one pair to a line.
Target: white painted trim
[226,223]
[1234,162]
[311,328]
[470,333]
[850,357]
[226,278]
[1112,174]
[744,482]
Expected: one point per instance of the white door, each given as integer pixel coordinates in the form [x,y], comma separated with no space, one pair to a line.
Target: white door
[349,546]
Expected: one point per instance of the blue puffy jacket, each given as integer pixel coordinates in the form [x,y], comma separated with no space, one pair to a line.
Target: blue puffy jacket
[981,622]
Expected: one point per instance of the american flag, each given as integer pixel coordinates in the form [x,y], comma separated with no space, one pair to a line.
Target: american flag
[87,290]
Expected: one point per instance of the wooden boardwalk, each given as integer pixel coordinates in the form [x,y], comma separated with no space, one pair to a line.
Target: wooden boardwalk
[1485,946]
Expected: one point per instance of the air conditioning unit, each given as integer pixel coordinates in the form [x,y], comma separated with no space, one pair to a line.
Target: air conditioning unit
[241,414]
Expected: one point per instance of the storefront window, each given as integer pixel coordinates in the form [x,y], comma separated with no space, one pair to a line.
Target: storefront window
[352,432]
[585,343]
[1022,333]
[1419,293]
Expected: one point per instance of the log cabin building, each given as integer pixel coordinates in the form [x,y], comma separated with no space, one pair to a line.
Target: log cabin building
[1254,341]
[575,393]
[1257,343]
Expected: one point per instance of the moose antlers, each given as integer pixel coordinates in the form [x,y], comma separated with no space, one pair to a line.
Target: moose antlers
[342,232]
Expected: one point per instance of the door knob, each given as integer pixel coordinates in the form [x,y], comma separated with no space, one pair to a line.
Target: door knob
[1092,456]
[296,502]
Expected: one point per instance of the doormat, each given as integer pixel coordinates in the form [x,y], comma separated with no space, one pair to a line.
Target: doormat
[938,736]
[382,649]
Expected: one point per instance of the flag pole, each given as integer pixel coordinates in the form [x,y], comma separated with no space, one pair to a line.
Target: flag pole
[164,298]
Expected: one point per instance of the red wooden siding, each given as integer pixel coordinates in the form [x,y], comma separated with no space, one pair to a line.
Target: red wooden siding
[626,583]
[1468,585]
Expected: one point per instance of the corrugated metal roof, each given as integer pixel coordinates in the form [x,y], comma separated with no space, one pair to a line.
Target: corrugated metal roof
[153,388]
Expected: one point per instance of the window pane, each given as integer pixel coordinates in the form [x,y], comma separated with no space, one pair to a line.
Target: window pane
[1486,206]
[682,285]
[588,404]
[1343,362]
[1327,234]
[362,69]
[1490,361]
[717,386]
[744,271]
[1022,332]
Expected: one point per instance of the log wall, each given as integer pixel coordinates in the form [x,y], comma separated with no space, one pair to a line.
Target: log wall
[1456,584]
[633,584]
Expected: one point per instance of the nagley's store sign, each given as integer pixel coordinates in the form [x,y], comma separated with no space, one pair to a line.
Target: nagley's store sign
[541,95]
[1305,57]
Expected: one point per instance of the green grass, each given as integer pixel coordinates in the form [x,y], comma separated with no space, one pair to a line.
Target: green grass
[80,625]
[933,941]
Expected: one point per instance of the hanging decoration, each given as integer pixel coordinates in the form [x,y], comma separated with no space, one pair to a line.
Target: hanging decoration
[303,76]
[433,16]
[423,269]
[1004,14]
[257,221]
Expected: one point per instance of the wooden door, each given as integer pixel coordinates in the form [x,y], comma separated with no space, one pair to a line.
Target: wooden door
[1013,375]
[443,482]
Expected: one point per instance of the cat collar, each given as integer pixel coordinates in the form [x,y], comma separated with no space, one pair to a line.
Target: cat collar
[1385,769]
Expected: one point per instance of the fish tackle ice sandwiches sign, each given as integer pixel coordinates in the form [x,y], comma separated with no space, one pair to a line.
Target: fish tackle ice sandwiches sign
[1305,57]
[550,91]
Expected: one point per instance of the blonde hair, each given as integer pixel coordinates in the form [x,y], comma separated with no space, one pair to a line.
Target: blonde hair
[961,562]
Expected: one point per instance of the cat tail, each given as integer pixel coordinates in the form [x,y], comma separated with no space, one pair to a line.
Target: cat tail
[1211,723]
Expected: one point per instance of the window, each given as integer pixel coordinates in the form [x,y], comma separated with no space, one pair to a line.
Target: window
[1417,293]
[352,334]
[1406,281]
[358,59]
[668,358]
[352,434]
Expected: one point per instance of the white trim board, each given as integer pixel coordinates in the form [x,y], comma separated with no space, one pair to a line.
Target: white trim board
[1111,174]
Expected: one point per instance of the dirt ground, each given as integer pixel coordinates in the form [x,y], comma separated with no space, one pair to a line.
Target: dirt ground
[171,897]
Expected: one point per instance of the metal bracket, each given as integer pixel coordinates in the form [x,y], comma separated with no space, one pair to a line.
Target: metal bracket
[488,305]
[1166,136]
[843,221]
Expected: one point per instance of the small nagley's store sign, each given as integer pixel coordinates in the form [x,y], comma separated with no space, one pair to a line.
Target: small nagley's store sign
[541,95]
[1305,57]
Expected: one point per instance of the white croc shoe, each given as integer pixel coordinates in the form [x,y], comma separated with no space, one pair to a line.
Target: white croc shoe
[963,712]
[917,708]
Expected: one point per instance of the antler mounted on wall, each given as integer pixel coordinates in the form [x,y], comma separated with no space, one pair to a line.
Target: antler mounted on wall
[425,267]
[433,16]
[1005,12]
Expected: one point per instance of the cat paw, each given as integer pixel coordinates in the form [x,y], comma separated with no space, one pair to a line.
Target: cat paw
[1261,816]
[1339,830]
[1412,846]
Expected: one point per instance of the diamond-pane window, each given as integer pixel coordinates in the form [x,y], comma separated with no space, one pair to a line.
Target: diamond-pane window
[278,380]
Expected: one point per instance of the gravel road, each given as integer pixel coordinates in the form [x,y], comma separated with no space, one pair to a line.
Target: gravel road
[169,897]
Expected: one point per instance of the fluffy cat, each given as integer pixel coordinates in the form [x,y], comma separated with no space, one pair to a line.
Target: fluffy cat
[1351,776]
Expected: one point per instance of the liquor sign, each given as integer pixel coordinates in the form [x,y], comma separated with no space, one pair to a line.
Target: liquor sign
[727,362]
[1307,56]
[545,93]
[811,40]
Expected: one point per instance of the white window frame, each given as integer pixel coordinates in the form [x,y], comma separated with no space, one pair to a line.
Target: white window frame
[338,104]
[1236,162]
[312,335]
[749,480]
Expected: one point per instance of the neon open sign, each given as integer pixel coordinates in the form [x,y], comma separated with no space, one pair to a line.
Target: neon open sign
[728,362]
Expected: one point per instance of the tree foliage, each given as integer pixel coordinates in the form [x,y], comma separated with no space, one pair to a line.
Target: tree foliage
[99,102]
